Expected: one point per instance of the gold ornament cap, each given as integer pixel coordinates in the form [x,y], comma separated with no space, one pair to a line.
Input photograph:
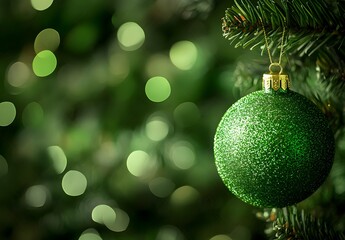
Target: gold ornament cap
[275,80]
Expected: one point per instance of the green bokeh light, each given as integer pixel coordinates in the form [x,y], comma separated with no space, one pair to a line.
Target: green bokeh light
[157,89]
[184,195]
[119,67]
[18,74]
[7,113]
[130,36]
[121,222]
[186,114]
[36,196]
[221,237]
[141,164]
[41,5]
[161,187]
[47,39]
[115,220]
[169,232]
[157,129]
[74,183]
[44,63]
[58,157]
[90,234]
[32,115]
[183,55]
[182,155]
[103,214]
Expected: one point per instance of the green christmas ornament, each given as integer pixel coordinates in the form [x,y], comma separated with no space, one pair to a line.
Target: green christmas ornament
[274,147]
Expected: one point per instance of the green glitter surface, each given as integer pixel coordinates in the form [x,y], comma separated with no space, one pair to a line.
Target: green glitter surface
[273,149]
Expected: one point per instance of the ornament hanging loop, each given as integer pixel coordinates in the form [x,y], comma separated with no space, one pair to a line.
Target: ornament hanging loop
[275,68]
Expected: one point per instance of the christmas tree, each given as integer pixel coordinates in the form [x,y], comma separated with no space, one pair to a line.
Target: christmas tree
[109,109]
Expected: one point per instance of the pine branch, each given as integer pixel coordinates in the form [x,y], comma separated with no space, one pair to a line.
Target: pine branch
[291,223]
[314,29]
[310,24]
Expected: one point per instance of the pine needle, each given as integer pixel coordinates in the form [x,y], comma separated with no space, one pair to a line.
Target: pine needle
[293,224]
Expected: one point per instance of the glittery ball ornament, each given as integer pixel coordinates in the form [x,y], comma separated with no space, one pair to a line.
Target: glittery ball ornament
[274,147]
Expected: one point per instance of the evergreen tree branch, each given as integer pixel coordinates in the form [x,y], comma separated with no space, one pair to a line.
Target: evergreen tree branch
[310,24]
[294,224]
[314,29]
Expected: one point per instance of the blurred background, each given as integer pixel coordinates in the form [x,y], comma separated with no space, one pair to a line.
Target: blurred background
[108,110]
